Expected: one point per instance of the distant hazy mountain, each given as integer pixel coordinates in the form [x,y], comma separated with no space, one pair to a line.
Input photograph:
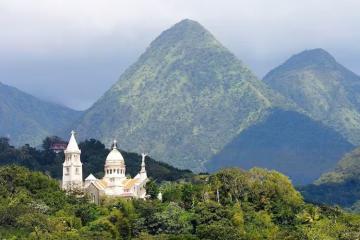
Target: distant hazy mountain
[26,119]
[347,168]
[184,99]
[287,141]
[322,87]
[340,186]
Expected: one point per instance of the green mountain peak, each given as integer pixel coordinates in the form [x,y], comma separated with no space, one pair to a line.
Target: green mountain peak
[184,32]
[323,88]
[308,59]
[183,100]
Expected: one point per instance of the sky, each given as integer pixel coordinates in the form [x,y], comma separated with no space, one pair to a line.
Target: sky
[72,51]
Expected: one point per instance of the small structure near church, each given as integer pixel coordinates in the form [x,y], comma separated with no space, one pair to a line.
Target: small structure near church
[58,146]
[114,183]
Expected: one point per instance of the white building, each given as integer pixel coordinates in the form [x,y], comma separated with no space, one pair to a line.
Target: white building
[72,166]
[114,183]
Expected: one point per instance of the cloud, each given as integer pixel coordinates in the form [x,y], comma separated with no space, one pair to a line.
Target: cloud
[89,43]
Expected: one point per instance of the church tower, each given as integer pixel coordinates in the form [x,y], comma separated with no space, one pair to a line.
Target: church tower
[143,174]
[72,166]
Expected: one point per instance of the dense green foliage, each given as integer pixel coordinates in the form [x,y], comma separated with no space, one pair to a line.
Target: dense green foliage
[93,157]
[229,205]
[341,186]
[184,99]
[26,119]
[286,141]
[322,88]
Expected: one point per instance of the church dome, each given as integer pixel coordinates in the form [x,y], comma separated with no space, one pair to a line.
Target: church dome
[115,156]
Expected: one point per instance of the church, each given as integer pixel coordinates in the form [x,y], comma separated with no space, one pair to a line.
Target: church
[113,184]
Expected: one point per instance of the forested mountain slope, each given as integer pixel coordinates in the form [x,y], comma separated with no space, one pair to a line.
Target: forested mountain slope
[184,99]
[323,88]
[340,186]
[287,141]
[26,119]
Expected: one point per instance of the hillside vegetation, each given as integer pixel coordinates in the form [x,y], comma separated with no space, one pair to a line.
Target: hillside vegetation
[184,99]
[322,88]
[93,158]
[26,119]
[286,141]
[340,186]
[231,204]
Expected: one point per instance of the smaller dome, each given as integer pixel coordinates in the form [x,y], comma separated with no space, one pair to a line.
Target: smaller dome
[115,156]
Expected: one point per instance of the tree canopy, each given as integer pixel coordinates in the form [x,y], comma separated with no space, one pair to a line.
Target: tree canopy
[230,204]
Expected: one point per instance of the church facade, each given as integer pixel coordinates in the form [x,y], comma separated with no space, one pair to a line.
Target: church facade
[113,184]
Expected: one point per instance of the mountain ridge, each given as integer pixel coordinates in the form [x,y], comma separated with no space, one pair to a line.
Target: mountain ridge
[181,93]
[322,88]
[340,186]
[286,141]
[27,119]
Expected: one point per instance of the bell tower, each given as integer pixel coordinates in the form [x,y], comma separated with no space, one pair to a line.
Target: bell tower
[143,174]
[72,166]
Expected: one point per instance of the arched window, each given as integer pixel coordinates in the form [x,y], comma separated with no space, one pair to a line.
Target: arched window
[110,171]
[117,171]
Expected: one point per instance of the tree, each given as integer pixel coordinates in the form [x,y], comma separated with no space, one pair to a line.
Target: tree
[152,189]
[100,229]
[188,196]
[220,230]
[87,212]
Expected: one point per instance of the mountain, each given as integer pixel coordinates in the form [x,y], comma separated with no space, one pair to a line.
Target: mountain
[286,141]
[340,186]
[347,168]
[26,119]
[323,88]
[183,100]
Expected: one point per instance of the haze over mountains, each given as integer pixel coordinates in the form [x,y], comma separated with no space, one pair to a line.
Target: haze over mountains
[341,186]
[287,141]
[188,99]
[26,119]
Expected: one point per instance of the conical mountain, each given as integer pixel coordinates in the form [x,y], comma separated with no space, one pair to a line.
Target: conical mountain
[182,101]
[26,119]
[323,88]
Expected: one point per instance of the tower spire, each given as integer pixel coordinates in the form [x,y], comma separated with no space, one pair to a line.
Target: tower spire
[72,145]
[143,169]
[72,166]
[114,144]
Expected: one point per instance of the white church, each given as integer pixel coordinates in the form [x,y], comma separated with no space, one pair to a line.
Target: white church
[114,183]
